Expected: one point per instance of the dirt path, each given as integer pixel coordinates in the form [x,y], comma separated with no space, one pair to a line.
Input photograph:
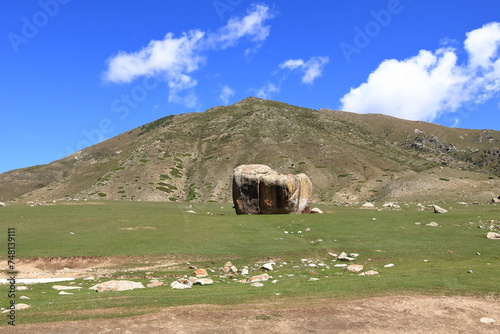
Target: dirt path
[395,314]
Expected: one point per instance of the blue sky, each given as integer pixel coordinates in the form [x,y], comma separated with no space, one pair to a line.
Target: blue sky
[76,72]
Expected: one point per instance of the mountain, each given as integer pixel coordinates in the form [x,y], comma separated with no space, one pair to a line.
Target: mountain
[349,158]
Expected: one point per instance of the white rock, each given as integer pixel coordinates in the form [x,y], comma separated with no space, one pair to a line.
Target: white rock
[257,284]
[21,288]
[274,281]
[368,205]
[190,211]
[19,307]
[493,235]
[432,224]
[389,265]
[65,293]
[438,209]
[268,266]
[313,279]
[244,271]
[117,286]
[2,204]
[316,210]
[179,286]
[340,265]
[204,281]
[24,297]
[487,320]
[312,265]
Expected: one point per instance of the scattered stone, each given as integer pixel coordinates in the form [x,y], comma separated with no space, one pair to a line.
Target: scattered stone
[389,265]
[259,278]
[228,264]
[340,265]
[354,254]
[190,211]
[258,285]
[234,270]
[89,278]
[462,203]
[204,281]
[24,297]
[354,268]
[155,284]
[268,266]
[65,293]
[19,307]
[259,189]
[316,210]
[200,273]
[368,205]
[470,272]
[244,271]
[438,209]
[369,273]
[116,286]
[62,287]
[391,205]
[487,320]
[432,224]
[180,286]
[493,235]
[274,281]
[2,204]
[21,288]
[313,279]
[343,257]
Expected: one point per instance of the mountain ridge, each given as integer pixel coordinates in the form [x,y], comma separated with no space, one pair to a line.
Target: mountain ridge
[349,158]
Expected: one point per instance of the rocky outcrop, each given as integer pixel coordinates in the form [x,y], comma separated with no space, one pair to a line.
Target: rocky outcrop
[259,189]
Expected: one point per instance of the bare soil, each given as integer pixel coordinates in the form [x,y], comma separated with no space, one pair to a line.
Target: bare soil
[394,314]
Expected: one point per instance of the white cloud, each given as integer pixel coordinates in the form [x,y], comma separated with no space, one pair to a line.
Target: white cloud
[225,94]
[174,59]
[266,91]
[426,85]
[312,69]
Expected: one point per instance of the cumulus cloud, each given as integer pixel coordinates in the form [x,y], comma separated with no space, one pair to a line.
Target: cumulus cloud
[426,85]
[226,94]
[312,69]
[174,59]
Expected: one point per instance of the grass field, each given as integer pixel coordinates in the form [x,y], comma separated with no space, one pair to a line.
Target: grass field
[151,232]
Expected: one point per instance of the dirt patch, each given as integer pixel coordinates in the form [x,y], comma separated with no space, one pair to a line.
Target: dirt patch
[83,266]
[394,314]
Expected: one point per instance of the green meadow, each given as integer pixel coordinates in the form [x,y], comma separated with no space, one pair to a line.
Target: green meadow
[427,260]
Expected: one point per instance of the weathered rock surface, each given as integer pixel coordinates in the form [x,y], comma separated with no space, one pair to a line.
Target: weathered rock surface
[354,268]
[200,272]
[116,286]
[2,204]
[155,284]
[259,278]
[259,189]
[316,210]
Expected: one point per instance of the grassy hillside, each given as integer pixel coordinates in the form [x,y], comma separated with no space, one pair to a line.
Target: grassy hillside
[350,158]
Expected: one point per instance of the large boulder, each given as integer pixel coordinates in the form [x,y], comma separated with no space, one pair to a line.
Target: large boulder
[259,189]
